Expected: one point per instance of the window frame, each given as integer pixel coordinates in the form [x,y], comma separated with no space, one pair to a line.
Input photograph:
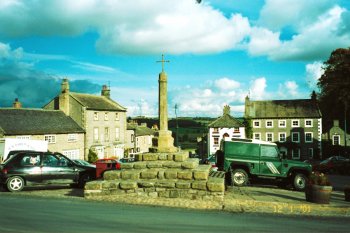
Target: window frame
[308,126]
[267,122]
[282,126]
[50,138]
[296,150]
[285,136]
[96,116]
[267,133]
[295,126]
[254,134]
[292,137]
[336,136]
[72,137]
[309,141]
[258,122]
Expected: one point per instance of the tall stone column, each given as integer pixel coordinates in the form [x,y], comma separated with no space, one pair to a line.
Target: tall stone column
[165,140]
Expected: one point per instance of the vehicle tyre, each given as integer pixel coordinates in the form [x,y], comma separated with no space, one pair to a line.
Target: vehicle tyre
[15,184]
[239,177]
[83,179]
[299,181]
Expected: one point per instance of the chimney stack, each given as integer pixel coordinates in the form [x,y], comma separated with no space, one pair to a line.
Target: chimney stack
[17,104]
[106,92]
[64,97]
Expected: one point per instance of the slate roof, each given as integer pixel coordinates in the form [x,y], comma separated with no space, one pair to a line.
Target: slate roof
[95,102]
[299,108]
[36,121]
[140,130]
[226,121]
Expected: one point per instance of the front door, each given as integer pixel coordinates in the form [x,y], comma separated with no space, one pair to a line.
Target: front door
[270,162]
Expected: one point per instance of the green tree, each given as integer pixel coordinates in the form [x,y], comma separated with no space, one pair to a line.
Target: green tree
[334,87]
[92,156]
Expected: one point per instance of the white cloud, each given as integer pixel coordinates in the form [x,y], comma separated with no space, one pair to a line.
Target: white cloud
[314,71]
[257,89]
[129,27]
[317,30]
[290,90]
[226,83]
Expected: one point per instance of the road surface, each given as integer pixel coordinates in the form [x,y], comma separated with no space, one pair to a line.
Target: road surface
[39,214]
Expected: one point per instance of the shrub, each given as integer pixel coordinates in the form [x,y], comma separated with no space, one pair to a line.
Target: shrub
[318,178]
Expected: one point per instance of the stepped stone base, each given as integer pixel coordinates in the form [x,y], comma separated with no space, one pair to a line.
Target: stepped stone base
[165,142]
[153,175]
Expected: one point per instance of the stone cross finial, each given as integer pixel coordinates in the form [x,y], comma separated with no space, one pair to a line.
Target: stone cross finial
[163,61]
[226,110]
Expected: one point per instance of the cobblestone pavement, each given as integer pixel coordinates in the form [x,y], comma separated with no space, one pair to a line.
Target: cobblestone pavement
[244,199]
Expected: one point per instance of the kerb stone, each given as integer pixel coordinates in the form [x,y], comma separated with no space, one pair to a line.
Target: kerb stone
[216,184]
[149,174]
[150,157]
[170,174]
[180,156]
[127,165]
[200,174]
[184,175]
[130,175]
[93,185]
[190,163]
[201,185]
[128,185]
[112,175]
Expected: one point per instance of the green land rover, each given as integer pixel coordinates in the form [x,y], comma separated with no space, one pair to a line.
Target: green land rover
[244,159]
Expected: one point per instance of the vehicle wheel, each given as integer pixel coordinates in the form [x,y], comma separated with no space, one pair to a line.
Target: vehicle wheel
[15,184]
[82,180]
[239,177]
[299,181]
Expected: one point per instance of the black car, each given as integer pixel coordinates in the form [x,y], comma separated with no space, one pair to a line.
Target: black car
[43,168]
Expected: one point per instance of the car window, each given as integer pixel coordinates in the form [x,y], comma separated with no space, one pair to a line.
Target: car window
[269,151]
[55,160]
[30,160]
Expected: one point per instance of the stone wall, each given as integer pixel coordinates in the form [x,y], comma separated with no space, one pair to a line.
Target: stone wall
[163,175]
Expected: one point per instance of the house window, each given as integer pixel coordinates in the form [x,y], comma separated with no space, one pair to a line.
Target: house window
[256,124]
[269,137]
[336,140]
[50,138]
[310,153]
[308,123]
[23,137]
[106,116]
[117,116]
[215,130]
[295,123]
[72,137]
[282,137]
[269,124]
[295,137]
[282,123]
[117,134]
[236,130]
[296,154]
[216,141]
[257,136]
[106,134]
[95,116]
[72,154]
[96,135]
[308,137]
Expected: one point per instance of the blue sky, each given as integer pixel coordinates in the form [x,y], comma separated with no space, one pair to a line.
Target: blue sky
[219,50]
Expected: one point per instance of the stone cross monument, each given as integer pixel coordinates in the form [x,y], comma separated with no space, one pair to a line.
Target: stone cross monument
[165,140]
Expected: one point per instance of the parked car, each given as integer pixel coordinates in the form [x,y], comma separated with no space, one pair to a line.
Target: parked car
[32,168]
[103,165]
[83,162]
[334,164]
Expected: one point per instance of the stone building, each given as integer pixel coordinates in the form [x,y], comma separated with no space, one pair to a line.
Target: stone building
[139,139]
[63,134]
[333,140]
[224,126]
[103,119]
[295,125]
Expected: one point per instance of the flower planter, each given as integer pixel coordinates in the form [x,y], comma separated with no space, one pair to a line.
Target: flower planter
[318,194]
[347,193]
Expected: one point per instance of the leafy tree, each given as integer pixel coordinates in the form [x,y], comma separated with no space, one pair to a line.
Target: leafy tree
[334,86]
[92,156]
